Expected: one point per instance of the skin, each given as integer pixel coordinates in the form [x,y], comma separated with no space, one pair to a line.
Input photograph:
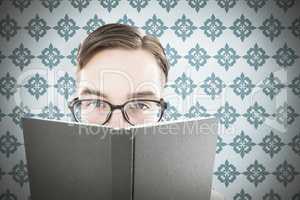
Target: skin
[118,75]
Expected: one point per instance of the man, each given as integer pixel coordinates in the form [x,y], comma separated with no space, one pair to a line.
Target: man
[121,76]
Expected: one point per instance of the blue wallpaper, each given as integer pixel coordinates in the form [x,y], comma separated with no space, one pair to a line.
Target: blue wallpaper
[237,60]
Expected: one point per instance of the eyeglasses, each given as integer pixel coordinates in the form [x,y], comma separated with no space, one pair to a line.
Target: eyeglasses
[135,112]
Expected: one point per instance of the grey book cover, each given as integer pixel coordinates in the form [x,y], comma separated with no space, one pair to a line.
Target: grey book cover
[172,160]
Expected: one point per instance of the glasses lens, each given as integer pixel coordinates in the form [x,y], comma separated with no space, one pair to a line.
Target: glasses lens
[91,111]
[141,112]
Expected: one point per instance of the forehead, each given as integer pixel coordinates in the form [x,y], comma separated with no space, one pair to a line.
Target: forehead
[118,72]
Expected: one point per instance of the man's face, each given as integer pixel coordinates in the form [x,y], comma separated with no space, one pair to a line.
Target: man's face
[118,75]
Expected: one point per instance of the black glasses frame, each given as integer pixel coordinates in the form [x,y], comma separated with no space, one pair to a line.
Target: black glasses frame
[76,100]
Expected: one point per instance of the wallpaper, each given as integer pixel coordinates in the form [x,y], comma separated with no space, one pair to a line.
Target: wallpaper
[237,60]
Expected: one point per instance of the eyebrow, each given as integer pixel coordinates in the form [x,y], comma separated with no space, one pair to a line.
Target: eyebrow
[88,91]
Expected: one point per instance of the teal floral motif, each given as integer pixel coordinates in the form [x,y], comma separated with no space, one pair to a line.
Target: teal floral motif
[296,196]
[256,115]
[242,144]
[50,57]
[73,56]
[1,57]
[21,56]
[154,26]
[226,4]
[126,20]
[2,173]
[197,111]
[213,27]
[213,86]
[8,27]
[295,85]
[8,144]
[242,86]
[271,86]
[256,57]
[227,173]
[80,4]
[37,86]
[65,85]
[8,195]
[242,28]
[168,4]
[66,27]
[37,28]
[172,55]
[184,27]
[226,57]
[197,57]
[19,173]
[295,144]
[242,195]
[1,115]
[220,144]
[256,4]
[109,4]
[197,4]
[271,196]
[226,114]
[18,112]
[51,4]
[51,112]
[285,56]
[295,28]
[286,114]
[138,4]
[183,86]
[93,24]
[285,173]
[271,144]
[256,173]
[171,113]
[285,4]
[271,28]
[8,86]
[21,4]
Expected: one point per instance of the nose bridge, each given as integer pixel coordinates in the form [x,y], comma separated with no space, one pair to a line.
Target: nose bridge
[117,107]
[117,119]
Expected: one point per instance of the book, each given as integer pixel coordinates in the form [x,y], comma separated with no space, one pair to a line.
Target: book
[167,160]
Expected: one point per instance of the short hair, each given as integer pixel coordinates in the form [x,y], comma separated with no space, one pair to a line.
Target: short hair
[115,35]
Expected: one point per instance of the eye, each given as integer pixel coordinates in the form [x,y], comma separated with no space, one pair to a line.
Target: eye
[100,104]
[139,106]
[94,104]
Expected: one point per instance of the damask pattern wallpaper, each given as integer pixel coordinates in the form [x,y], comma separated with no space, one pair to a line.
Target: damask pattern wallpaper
[237,60]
